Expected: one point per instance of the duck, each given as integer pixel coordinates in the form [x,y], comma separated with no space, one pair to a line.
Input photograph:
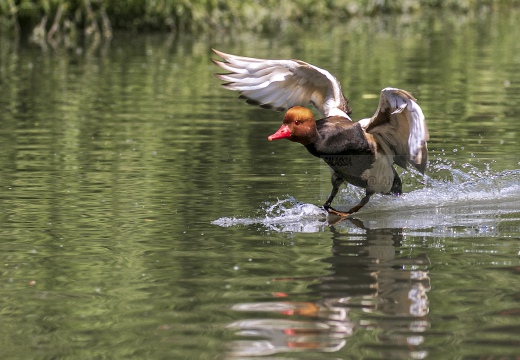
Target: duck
[362,153]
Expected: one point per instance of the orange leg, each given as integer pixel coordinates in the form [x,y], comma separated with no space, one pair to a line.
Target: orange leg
[334,192]
[336,183]
[362,203]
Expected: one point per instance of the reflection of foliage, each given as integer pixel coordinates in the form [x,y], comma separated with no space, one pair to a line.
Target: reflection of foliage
[61,20]
[173,90]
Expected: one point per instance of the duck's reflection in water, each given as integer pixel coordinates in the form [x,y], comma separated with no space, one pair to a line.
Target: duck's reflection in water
[371,286]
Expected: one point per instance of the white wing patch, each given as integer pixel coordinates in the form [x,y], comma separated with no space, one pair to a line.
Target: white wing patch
[400,128]
[281,84]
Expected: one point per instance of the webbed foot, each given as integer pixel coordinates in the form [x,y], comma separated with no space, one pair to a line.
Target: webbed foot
[333,211]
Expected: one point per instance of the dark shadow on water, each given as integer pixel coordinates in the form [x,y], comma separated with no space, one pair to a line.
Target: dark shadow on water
[371,286]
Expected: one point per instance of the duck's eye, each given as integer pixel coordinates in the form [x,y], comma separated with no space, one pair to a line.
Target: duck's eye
[297,122]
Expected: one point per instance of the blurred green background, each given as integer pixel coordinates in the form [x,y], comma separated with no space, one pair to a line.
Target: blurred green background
[54,18]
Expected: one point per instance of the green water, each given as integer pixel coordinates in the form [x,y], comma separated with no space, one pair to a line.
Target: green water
[143,214]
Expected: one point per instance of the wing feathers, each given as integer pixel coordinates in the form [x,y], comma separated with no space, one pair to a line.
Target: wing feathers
[398,124]
[282,83]
[399,127]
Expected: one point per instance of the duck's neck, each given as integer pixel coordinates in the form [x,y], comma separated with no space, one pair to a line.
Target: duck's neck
[311,148]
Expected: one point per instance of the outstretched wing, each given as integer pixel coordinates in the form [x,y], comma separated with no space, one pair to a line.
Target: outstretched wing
[281,84]
[399,127]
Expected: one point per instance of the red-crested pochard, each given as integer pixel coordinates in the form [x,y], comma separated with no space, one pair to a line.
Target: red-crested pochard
[361,153]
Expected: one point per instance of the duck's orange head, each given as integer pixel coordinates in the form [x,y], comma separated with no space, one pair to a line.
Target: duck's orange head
[298,125]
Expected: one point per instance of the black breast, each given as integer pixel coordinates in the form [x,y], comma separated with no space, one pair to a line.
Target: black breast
[343,146]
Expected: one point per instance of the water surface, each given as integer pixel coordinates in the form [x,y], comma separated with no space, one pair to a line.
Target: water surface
[143,214]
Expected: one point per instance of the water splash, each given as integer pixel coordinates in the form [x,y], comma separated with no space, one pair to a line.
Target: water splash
[447,197]
[285,214]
